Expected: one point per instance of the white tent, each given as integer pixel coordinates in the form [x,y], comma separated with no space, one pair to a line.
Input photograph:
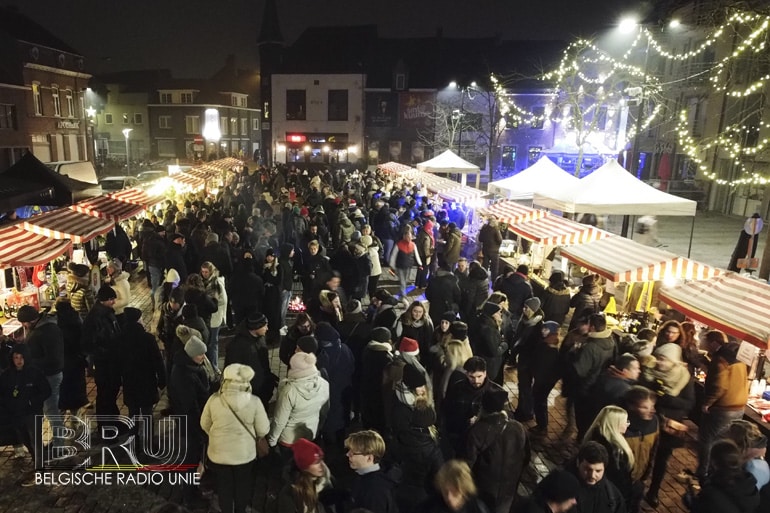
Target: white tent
[449,162]
[613,190]
[542,175]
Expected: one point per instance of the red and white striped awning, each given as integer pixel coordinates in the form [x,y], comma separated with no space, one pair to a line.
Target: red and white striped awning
[462,194]
[19,247]
[510,212]
[64,223]
[136,196]
[186,180]
[107,207]
[227,163]
[203,173]
[551,230]
[394,167]
[735,304]
[624,261]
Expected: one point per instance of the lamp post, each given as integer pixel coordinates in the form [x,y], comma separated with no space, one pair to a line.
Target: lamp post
[126,133]
[91,112]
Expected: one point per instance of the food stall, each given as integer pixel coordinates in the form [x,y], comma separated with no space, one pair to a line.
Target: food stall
[740,307]
[636,270]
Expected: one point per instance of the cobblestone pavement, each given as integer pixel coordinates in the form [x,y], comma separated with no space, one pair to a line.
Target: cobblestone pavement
[714,239]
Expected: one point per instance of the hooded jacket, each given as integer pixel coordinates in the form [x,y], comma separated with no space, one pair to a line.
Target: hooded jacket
[517,289]
[443,293]
[720,495]
[252,351]
[229,442]
[188,387]
[726,381]
[338,362]
[454,243]
[594,358]
[81,294]
[46,346]
[23,392]
[298,409]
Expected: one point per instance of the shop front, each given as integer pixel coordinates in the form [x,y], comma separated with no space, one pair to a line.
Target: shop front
[316,148]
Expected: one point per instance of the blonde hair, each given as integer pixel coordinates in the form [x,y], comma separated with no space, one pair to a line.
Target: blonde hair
[366,442]
[457,354]
[213,271]
[606,424]
[455,475]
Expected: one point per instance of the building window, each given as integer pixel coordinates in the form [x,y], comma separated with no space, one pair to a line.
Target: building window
[125,118]
[37,100]
[166,148]
[107,118]
[243,101]
[56,101]
[165,98]
[8,117]
[338,104]
[187,97]
[255,124]
[538,118]
[70,104]
[233,126]
[138,118]
[234,101]
[400,81]
[192,124]
[164,121]
[244,126]
[223,126]
[533,154]
[509,157]
[295,104]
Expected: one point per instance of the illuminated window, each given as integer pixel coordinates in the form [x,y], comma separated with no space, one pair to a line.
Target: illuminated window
[295,104]
[192,124]
[125,118]
[56,101]
[37,100]
[70,104]
[538,118]
[244,126]
[187,97]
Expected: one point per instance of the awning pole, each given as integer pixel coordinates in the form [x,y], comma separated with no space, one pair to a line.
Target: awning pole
[692,230]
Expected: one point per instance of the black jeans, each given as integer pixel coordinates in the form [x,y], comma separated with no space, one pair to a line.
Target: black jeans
[235,486]
[107,380]
[665,449]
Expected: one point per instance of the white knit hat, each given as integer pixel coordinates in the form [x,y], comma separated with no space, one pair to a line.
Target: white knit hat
[302,365]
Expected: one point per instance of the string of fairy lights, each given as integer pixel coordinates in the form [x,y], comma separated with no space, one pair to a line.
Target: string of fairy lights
[587,72]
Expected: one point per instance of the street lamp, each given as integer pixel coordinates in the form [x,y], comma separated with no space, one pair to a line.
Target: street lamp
[126,133]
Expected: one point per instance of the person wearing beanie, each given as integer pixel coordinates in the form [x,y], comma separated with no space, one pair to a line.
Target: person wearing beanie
[234,419]
[589,297]
[382,313]
[303,326]
[517,288]
[672,382]
[473,291]
[373,247]
[23,390]
[310,481]
[487,341]
[142,368]
[726,393]
[337,365]
[118,280]
[591,361]
[434,360]
[556,493]
[545,373]
[307,344]
[554,297]
[101,332]
[376,357]
[301,398]
[248,347]
[529,339]
[79,288]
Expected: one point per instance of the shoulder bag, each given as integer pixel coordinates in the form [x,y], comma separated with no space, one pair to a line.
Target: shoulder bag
[262,447]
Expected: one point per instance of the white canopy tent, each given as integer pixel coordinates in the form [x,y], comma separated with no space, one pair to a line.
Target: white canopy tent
[448,162]
[542,175]
[613,190]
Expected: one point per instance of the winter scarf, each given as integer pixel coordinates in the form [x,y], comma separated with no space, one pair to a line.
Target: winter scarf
[672,382]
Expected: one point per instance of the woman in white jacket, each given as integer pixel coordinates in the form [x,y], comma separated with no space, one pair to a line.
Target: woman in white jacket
[233,418]
[303,399]
[215,288]
[118,280]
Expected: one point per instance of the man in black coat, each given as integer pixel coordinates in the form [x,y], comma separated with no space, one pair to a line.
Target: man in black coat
[516,286]
[248,347]
[117,244]
[46,352]
[556,493]
[246,289]
[175,256]
[443,293]
[142,368]
[597,494]
[490,239]
[100,341]
[462,403]
[218,253]
[377,355]
[487,341]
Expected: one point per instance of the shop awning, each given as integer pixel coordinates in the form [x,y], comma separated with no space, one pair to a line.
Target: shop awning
[137,196]
[64,223]
[394,167]
[462,194]
[624,261]
[187,180]
[735,304]
[227,163]
[24,248]
[551,230]
[203,173]
[510,212]
[108,208]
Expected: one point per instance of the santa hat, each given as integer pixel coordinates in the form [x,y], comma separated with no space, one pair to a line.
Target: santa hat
[409,346]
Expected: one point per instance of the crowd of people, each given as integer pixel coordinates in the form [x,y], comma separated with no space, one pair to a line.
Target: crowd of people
[412,392]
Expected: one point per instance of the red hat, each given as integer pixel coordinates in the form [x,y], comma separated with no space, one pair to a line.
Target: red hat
[409,346]
[352,202]
[306,453]
[304,212]
[337,201]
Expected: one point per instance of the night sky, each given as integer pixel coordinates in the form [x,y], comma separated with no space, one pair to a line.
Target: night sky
[193,37]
